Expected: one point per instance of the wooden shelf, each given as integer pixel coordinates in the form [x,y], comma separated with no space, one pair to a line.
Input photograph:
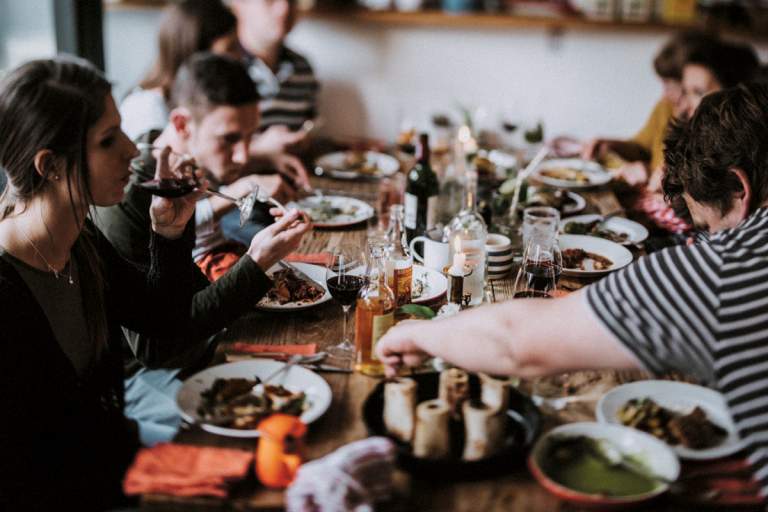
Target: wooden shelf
[486,20]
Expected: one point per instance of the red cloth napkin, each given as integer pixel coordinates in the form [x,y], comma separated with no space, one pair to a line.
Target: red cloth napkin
[723,482]
[184,470]
[243,347]
[318,258]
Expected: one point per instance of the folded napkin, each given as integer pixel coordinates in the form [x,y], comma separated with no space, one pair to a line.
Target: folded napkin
[318,258]
[185,470]
[352,478]
[243,347]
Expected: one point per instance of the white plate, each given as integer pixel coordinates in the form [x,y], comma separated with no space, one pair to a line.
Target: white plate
[360,211]
[635,232]
[576,204]
[316,272]
[336,166]
[679,397]
[436,284]
[596,174]
[618,254]
[296,378]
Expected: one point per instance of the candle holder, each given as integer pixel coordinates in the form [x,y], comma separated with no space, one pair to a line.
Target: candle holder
[456,293]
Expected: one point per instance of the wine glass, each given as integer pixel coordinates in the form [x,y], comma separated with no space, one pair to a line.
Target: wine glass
[345,276]
[540,270]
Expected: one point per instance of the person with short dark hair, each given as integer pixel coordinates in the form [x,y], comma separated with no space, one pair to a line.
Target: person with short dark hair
[215,115]
[186,27]
[699,310]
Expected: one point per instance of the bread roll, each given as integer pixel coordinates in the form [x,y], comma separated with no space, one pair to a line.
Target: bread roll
[494,391]
[454,389]
[399,408]
[432,438]
[484,430]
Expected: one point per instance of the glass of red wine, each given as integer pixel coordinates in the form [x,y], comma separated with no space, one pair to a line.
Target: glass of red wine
[345,276]
[540,270]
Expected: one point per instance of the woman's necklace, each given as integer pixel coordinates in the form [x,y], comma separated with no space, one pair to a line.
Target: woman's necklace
[50,267]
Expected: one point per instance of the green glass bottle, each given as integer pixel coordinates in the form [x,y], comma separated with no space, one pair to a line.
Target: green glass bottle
[421,192]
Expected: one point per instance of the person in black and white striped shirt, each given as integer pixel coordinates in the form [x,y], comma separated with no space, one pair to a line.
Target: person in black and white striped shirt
[285,80]
[699,309]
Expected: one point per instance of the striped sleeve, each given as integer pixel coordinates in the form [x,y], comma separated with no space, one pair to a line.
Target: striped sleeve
[661,308]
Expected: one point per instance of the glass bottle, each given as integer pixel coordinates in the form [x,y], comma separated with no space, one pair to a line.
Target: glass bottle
[374,315]
[399,264]
[466,234]
[421,193]
[450,200]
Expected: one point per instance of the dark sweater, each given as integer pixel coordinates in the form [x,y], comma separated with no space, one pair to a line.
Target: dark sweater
[64,441]
[127,226]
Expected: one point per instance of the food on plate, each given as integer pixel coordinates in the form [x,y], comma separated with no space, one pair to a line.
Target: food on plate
[432,439]
[420,286]
[483,430]
[579,259]
[582,464]
[288,287]
[324,211]
[454,389]
[399,408]
[241,403]
[692,430]
[566,174]
[452,425]
[594,228]
[557,199]
[484,165]
[360,162]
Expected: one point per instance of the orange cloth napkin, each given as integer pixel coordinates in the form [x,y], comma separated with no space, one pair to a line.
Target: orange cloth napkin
[243,347]
[318,258]
[185,470]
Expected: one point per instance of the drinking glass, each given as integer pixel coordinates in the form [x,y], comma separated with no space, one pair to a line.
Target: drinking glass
[345,276]
[539,271]
[540,222]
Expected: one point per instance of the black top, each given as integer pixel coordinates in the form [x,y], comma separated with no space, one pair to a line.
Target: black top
[64,441]
[127,226]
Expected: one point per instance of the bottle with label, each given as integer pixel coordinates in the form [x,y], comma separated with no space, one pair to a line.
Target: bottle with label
[421,192]
[466,235]
[399,264]
[374,315]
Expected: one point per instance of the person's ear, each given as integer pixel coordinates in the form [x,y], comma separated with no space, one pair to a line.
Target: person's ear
[742,199]
[181,119]
[48,165]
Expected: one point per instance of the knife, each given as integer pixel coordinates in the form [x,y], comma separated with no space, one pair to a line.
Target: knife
[303,276]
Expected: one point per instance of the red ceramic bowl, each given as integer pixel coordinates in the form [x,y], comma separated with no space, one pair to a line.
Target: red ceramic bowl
[661,460]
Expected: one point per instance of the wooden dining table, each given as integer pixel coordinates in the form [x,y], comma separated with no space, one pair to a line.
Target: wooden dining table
[342,423]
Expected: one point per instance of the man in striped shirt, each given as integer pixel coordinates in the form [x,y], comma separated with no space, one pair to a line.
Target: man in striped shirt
[700,309]
[285,80]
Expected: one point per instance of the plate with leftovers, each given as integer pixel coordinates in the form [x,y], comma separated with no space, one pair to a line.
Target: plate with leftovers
[565,201]
[602,465]
[616,229]
[354,164]
[229,399]
[334,211]
[428,285]
[291,291]
[693,420]
[571,173]
[453,425]
[586,256]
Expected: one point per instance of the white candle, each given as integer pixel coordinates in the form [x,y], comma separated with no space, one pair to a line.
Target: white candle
[459,260]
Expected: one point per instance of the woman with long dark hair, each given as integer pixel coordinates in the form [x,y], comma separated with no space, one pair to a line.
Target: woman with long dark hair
[65,292]
[186,28]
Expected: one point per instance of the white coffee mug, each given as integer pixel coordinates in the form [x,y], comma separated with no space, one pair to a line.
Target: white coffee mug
[498,250]
[436,253]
